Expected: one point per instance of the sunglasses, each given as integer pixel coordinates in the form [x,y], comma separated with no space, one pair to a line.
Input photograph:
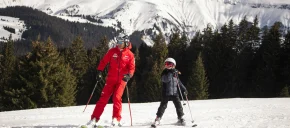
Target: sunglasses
[169,64]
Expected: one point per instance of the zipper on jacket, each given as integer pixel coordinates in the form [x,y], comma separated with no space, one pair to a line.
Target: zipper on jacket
[119,61]
[176,83]
[173,90]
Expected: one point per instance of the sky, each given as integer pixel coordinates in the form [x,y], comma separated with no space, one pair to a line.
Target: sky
[214,113]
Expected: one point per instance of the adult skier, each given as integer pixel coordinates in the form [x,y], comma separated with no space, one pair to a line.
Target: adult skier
[171,87]
[121,63]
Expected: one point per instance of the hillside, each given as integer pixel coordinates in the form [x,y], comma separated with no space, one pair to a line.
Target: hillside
[221,113]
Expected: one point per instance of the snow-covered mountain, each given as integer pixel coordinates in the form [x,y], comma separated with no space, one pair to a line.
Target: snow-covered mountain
[221,113]
[10,22]
[168,15]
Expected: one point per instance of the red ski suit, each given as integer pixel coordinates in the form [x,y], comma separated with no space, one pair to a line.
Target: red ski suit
[120,63]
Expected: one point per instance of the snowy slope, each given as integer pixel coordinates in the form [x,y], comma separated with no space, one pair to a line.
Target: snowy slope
[221,113]
[169,15]
[11,22]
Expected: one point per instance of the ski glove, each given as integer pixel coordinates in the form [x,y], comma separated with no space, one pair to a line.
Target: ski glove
[185,92]
[99,75]
[126,77]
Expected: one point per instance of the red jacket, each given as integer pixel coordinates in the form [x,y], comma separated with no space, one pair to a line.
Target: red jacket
[120,62]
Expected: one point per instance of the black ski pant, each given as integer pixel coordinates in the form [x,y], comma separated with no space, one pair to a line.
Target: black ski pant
[163,106]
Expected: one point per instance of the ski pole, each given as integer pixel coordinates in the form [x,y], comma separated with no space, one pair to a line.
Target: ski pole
[129,103]
[181,94]
[180,90]
[189,109]
[91,95]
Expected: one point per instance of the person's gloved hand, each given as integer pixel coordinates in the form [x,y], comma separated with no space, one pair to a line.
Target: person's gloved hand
[126,77]
[185,92]
[99,75]
[176,71]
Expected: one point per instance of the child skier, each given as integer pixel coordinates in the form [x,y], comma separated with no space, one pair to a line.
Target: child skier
[171,87]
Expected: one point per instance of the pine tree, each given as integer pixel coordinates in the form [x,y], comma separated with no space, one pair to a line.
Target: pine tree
[267,72]
[143,66]
[45,79]
[195,47]
[174,46]
[208,39]
[254,33]
[103,47]
[156,62]
[232,34]
[154,85]
[245,63]
[234,71]
[243,36]
[89,78]
[181,64]
[7,66]
[219,62]
[133,86]
[285,92]
[7,62]
[175,49]
[159,52]
[197,85]
[76,57]
[285,60]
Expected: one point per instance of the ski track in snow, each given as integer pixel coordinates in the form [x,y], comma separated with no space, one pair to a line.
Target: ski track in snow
[219,113]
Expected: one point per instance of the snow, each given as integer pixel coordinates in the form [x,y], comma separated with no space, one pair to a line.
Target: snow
[11,22]
[215,113]
[141,14]
[168,15]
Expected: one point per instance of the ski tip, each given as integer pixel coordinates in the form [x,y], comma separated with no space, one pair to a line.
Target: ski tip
[194,125]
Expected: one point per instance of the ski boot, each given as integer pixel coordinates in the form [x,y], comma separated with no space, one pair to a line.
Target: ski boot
[156,122]
[181,121]
[115,122]
[91,124]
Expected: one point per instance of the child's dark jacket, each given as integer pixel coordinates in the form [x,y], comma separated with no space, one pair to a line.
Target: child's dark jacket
[170,83]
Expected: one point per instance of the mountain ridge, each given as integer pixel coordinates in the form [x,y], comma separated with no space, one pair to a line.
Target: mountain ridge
[175,15]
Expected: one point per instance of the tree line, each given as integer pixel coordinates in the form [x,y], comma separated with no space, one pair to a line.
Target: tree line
[234,61]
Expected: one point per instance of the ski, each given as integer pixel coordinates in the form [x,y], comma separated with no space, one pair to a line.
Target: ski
[194,125]
[99,126]
[102,125]
[153,125]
